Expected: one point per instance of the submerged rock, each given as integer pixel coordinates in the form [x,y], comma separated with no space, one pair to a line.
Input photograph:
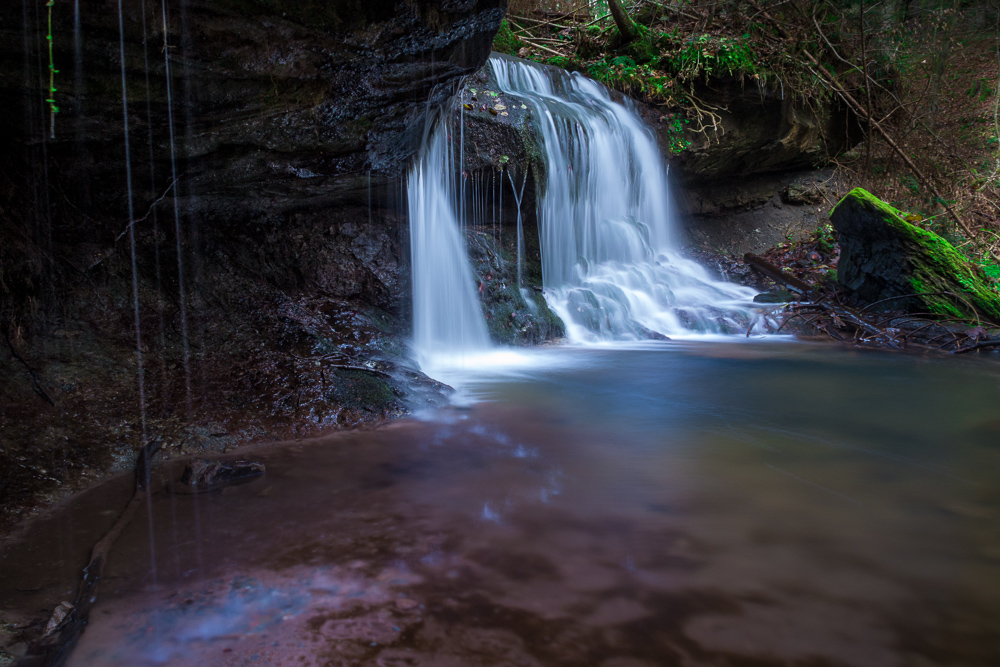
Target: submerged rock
[203,474]
[884,257]
[777,296]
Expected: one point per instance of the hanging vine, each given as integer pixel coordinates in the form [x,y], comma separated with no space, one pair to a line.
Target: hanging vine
[51,99]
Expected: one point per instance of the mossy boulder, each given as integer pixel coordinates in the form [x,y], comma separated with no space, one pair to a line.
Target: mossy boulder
[884,257]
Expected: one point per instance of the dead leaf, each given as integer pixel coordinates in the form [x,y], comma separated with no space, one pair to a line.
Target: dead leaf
[976,333]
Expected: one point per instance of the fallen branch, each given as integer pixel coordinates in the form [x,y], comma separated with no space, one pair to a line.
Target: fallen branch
[31,371]
[54,649]
[978,346]
[768,270]
[535,45]
[514,17]
[344,367]
[148,212]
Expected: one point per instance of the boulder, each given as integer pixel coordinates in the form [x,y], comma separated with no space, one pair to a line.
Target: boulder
[884,257]
[202,474]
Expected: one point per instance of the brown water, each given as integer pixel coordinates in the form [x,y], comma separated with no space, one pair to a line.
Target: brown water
[681,504]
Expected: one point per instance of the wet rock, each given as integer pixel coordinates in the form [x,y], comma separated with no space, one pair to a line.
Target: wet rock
[292,127]
[203,474]
[884,257]
[59,616]
[513,316]
[779,296]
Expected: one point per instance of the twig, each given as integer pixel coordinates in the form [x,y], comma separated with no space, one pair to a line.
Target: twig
[148,213]
[514,17]
[972,308]
[345,367]
[543,48]
[978,346]
[31,371]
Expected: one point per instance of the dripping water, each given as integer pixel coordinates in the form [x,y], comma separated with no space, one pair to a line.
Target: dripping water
[135,283]
[131,227]
[182,299]
[153,212]
[448,323]
[518,198]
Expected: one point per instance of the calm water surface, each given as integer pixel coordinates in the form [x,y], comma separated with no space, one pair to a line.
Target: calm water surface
[679,504]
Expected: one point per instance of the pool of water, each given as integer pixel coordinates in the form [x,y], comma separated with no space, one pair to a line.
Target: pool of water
[672,504]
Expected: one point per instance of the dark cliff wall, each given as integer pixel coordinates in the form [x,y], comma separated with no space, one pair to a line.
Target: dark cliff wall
[266,144]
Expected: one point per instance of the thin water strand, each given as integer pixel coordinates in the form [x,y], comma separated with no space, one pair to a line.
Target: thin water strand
[131,229]
[448,322]
[177,217]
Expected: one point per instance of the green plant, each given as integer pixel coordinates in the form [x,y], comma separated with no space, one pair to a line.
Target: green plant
[710,55]
[51,99]
[506,41]
[675,133]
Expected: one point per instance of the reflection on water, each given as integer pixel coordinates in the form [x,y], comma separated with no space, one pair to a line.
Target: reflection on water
[679,504]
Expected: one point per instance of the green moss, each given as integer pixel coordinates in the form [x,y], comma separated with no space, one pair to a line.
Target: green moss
[935,265]
[361,390]
[506,41]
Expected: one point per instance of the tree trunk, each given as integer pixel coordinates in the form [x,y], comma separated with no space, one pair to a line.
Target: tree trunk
[626,27]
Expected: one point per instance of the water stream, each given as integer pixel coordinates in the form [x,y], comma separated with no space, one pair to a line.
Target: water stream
[759,504]
[448,324]
[610,265]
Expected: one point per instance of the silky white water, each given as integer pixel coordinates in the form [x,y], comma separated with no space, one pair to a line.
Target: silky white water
[609,265]
[610,268]
[448,325]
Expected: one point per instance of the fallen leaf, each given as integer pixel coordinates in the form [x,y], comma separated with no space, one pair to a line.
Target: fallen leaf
[976,333]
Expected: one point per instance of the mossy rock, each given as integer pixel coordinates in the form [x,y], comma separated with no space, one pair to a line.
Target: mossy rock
[884,257]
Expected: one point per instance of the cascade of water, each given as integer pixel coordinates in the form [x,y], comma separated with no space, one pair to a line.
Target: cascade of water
[448,323]
[608,264]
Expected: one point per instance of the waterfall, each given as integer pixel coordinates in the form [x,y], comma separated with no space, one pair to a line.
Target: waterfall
[610,269]
[609,266]
[448,323]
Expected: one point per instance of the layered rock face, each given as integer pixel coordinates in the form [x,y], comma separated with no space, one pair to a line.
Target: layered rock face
[753,130]
[266,145]
[750,180]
